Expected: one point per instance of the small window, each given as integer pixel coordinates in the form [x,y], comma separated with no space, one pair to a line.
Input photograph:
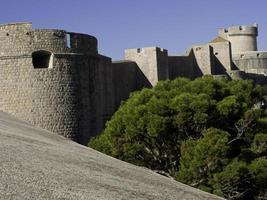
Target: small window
[216,53]
[41,59]
[138,50]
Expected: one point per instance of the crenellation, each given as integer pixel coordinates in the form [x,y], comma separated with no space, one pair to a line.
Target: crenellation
[242,38]
[242,30]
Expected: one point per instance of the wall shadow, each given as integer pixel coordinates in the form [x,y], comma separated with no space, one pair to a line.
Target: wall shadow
[127,78]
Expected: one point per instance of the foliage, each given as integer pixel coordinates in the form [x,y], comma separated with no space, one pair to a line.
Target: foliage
[234,182]
[201,158]
[259,145]
[258,170]
[240,180]
[199,131]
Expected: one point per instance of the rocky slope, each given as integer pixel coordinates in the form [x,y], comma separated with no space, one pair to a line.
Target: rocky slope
[37,164]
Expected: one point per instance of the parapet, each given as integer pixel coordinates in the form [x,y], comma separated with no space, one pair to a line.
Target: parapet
[16,26]
[252,62]
[239,30]
[250,55]
[242,38]
[19,39]
[146,49]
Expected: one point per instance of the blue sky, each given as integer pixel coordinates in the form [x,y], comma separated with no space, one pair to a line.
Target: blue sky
[120,24]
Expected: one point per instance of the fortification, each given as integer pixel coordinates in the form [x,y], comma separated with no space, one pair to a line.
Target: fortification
[242,38]
[152,61]
[58,81]
[232,54]
[50,78]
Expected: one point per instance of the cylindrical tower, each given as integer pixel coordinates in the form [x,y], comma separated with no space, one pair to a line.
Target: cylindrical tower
[44,77]
[242,38]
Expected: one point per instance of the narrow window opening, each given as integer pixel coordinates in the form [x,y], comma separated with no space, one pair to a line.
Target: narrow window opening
[138,50]
[41,59]
[68,40]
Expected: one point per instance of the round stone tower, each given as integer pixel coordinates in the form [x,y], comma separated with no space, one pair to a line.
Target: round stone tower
[45,77]
[242,38]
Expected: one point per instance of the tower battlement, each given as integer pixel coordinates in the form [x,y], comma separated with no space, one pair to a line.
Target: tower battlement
[240,30]
[18,39]
[16,26]
[242,38]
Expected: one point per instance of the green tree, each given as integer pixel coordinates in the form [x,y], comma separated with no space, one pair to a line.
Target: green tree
[258,170]
[259,145]
[151,126]
[201,158]
[234,182]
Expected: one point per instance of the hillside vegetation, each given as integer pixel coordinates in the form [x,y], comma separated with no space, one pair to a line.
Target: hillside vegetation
[207,133]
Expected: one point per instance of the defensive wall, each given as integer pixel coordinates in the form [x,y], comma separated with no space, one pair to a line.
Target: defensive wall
[55,80]
[232,54]
[58,81]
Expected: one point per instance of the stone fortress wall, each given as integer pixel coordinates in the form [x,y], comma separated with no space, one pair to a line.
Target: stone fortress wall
[242,38]
[233,54]
[54,83]
[58,81]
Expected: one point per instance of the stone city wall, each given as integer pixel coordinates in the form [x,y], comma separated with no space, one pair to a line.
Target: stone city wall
[44,97]
[60,96]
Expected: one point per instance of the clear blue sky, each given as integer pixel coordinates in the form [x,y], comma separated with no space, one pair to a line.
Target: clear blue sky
[121,24]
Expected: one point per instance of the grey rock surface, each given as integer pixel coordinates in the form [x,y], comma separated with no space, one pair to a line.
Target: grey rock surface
[37,164]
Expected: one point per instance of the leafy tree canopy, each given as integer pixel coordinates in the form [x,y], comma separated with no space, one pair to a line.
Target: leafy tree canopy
[197,131]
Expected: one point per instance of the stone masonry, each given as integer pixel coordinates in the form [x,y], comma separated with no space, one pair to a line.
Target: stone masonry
[233,54]
[65,89]
[58,81]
